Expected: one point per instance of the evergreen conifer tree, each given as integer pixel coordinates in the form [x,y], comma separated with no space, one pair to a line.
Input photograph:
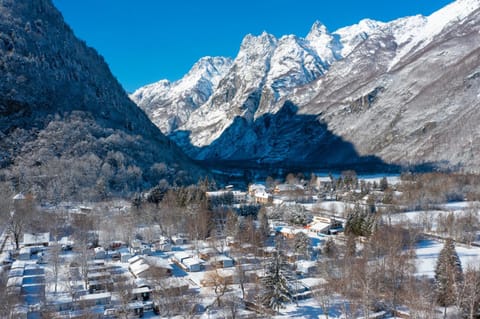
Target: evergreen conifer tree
[448,274]
[276,282]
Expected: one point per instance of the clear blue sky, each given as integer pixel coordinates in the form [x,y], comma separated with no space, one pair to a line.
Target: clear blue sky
[144,41]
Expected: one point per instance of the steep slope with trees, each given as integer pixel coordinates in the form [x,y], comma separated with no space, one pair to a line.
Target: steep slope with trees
[66,124]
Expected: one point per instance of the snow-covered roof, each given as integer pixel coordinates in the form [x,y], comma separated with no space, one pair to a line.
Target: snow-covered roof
[312,282]
[36,238]
[256,187]
[141,290]
[262,194]
[319,226]
[14,282]
[134,259]
[192,261]
[182,255]
[324,179]
[98,250]
[159,262]
[103,295]
[138,268]
[171,282]
[19,196]
[100,274]
[18,264]
[222,258]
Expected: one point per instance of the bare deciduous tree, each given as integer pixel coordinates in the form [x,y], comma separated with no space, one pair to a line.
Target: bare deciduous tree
[469,293]
[219,284]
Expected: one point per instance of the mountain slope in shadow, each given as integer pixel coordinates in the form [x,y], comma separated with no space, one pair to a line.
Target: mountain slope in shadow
[285,139]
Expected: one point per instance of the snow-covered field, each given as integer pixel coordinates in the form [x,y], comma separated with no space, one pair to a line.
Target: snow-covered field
[428,251]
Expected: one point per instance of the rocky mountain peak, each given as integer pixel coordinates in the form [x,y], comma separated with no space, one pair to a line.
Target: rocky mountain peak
[265,42]
[317,30]
[210,65]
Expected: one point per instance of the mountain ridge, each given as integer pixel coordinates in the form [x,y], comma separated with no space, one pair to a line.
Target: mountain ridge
[349,79]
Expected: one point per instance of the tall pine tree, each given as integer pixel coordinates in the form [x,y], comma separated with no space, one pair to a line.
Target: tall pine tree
[276,282]
[448,275]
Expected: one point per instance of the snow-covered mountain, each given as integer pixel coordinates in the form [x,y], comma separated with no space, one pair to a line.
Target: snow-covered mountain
[170,104]
[364,90]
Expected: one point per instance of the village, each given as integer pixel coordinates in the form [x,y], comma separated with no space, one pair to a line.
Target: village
[124,268]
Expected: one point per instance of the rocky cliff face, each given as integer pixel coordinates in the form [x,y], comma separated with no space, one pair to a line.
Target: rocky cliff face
[170,104]
[61,110]
[404,92]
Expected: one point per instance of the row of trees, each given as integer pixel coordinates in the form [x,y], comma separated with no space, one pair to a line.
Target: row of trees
[423,191]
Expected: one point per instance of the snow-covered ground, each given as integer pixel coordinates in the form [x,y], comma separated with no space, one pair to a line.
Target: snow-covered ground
[428,251]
